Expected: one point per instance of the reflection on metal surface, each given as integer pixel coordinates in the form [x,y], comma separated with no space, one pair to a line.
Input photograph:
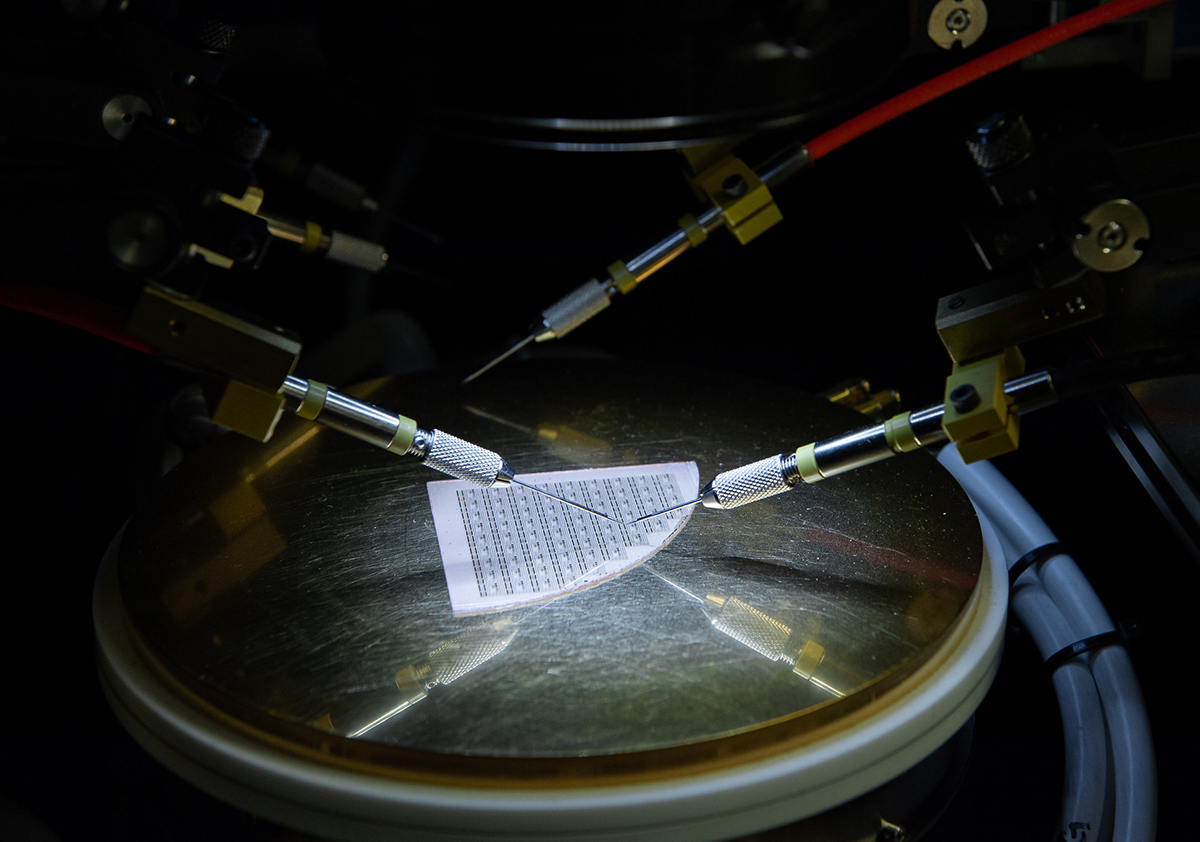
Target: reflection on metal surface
[444,665]
[562,441]
[320,573]
[772,638]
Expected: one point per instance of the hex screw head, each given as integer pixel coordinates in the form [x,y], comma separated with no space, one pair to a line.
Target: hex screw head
[1111,237]
[958,21]
[735,186]
[964,398]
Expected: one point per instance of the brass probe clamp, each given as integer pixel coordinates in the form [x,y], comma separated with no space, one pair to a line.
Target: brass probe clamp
[901,433]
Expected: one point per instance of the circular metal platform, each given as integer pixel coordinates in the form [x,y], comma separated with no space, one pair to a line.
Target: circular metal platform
[768,663]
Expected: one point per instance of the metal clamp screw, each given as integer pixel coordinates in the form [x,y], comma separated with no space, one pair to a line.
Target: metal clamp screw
[734,187]
[957,22]
[964,398]
[1114,229]
[1111,237]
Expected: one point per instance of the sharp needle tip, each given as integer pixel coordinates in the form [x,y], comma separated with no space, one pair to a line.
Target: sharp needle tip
[501,358]
[665,511]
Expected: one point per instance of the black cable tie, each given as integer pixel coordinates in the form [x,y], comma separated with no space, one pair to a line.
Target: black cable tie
[1088,644]
[1035,556]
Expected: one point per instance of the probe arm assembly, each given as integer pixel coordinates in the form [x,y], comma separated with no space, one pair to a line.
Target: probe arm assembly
[396,433]
[742,202]
[979,419]
[449,662]
[823,459]
[741,197]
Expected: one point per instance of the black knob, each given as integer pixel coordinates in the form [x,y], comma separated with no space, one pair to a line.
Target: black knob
[1000,141]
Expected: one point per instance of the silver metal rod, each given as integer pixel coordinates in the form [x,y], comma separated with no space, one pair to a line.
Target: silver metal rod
[783,165]
[658,255]
[853,450]
[359,419]
[285,229]
[346,415]
[927,425]
[294,388]
[1033,391]
[712,219]
[672,246]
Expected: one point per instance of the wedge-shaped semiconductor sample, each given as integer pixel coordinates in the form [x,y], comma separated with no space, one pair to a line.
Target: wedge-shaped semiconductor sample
[504,547]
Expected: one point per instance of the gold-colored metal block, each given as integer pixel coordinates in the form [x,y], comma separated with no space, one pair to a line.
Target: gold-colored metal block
[237,507]
[752,226]
[700,158]
[991,445]
[987,378]
[848,392]
[988,429]
[207,337]
[748,211]
[250,202]
[211,257]
[985,319]
[249,411]
[878,402]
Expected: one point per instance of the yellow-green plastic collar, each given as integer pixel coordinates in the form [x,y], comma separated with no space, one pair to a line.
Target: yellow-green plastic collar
[314,400]
[621,276]
[312,237]
[899,433]
[405,434]
[693,229]
[806,464]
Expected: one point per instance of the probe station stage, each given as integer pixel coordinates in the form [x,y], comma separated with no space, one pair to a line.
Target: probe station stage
[288,602]
[868,240]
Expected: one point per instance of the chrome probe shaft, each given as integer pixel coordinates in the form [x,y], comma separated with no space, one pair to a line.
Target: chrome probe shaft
[400,435]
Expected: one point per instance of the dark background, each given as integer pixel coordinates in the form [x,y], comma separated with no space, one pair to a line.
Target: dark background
[846,285]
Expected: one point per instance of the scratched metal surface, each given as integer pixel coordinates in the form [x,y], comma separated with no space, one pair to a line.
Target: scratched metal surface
[296,578]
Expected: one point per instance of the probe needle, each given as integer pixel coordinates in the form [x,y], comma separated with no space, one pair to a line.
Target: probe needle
[568,502]
[502,357]
[665,511]
[673,583]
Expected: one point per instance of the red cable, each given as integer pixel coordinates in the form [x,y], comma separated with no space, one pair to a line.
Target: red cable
[74,310]
[1022,48]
